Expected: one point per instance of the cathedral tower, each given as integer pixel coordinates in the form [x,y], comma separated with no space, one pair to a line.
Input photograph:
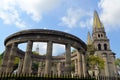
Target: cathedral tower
[102,46]
[37,48]
[100,40]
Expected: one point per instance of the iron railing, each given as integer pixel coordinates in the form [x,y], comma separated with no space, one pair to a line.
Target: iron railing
[4,76]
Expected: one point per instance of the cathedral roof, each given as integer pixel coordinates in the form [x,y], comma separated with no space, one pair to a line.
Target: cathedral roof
[96,22]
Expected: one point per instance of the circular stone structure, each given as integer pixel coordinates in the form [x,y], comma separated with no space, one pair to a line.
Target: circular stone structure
[43,35]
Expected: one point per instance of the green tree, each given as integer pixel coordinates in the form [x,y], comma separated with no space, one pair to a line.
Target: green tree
[35,66]
[34,52]
[73,51]
[92,60]
[91,49]
[16,60]
[1,58]
[117,62]
[0,62]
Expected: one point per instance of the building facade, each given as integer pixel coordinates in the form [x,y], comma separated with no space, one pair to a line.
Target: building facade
[102,47]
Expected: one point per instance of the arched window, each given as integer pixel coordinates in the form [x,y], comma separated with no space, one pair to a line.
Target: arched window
[99,35]
[99,46]
[105,46]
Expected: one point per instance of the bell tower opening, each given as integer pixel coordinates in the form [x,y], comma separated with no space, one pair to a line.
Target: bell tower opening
[99,46]
[105,46]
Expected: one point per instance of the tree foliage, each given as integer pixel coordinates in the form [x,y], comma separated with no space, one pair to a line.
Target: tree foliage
[34,52]
[35,65]
[117,62]
[92,60]
[1,58]
[95,61]
[73,51]
[91,49]
[16,60]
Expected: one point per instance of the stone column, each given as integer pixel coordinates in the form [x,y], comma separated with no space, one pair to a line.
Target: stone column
[5,59]
[109,66]
[20,66]
[11,58]
[40,68]
[30,67]
[84,63]
[105,72]
[27,58]
[68,59]
[48,57]
[80,64]
[114,66]
[59,68]
[76,67]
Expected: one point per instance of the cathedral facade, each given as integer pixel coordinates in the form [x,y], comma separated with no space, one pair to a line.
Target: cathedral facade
[102,47]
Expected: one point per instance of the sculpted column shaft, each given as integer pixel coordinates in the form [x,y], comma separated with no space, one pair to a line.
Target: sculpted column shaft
[110,65]
[27,58]
[68,59]
[105,71]
[5,59]
[80,70]
[30,67]
[20,66]
[48,57]
[76,67]
[59,68]
[109,70]
[84,64]
[114,66]
[11,58]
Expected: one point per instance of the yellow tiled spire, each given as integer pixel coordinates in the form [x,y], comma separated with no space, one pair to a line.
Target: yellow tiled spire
[89,40]
[97,23]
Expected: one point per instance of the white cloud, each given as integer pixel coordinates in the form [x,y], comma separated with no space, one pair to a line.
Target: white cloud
[72,17]
[11,10]
[110,14]
[9,14]
[21,25]
[35,8]
[88,23]
[75,18]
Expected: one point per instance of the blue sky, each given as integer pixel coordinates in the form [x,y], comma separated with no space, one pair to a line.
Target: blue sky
[72,16]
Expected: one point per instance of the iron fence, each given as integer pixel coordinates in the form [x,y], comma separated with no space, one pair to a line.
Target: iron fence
[8,76]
